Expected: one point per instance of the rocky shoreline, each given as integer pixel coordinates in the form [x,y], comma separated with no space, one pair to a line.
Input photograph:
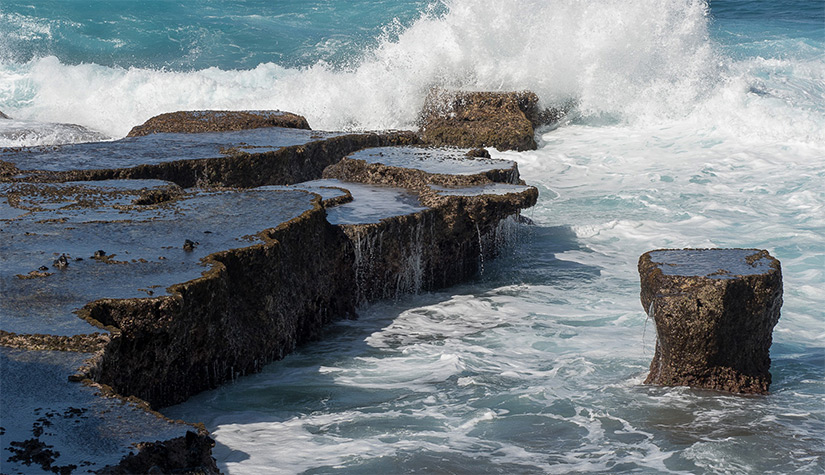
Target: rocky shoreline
[233,302]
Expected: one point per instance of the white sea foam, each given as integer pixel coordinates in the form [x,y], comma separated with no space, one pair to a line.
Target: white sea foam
[638,62]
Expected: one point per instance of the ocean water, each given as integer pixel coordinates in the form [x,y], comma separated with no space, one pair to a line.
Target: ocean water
[694,124]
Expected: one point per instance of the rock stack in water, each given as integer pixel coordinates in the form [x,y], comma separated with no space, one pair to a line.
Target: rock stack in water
[714,311]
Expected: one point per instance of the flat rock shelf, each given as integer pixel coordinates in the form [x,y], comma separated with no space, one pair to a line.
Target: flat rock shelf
[167,264]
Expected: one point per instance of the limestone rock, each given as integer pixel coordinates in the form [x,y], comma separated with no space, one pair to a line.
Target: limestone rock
[504,120]
[714,311]
[218,121]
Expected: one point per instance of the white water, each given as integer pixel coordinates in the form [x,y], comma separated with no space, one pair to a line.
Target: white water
[638,62]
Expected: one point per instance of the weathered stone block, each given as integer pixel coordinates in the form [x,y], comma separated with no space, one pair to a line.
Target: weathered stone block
[714,311]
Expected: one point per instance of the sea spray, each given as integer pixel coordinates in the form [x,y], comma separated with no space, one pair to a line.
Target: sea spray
[620,60]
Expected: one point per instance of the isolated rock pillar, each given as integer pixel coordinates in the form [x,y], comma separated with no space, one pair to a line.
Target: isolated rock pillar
[714,311]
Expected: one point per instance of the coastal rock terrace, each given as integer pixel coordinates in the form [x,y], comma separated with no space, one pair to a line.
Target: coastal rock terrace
[167,264]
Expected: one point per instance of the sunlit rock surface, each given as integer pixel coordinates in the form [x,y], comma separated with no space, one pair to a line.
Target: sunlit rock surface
[504,120]
[244,158]
[714,311]
[157,148]
[217,121]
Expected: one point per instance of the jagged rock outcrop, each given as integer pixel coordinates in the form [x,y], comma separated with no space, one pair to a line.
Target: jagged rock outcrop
[217,121]
[443,244]
[714,311]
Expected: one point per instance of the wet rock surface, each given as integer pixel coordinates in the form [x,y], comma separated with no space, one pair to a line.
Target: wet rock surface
[70,427]
[65,226]
[714,311]
[217,121]
[504,120]
[167,289]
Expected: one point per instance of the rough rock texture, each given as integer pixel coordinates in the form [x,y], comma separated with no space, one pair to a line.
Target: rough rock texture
[504,120]
[252,307]
[7,170]
[431,249]
[80,343]
[191,454]
[714,311]
[217,121]
[349,169]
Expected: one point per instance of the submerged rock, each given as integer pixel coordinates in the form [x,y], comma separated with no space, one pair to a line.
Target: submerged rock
[504,120]
[714,311]
[217,121]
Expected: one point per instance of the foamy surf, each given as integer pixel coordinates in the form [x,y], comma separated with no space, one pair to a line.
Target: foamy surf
[639,62]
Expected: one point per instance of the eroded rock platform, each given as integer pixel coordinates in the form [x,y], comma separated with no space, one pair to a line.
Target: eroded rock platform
[169,263]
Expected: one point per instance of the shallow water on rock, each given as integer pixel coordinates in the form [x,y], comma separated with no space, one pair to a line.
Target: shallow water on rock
[370,203]
[447,161]
[712,263]
[157,148]
[144,247]
[82,429]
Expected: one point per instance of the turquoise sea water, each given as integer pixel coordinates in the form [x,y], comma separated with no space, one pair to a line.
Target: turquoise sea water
[696,124]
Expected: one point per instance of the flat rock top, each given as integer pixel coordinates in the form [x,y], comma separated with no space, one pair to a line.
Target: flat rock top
[143,244]
[488,189]
[437,160]
[370,203]
[157,148]
[68,419]
[712,263]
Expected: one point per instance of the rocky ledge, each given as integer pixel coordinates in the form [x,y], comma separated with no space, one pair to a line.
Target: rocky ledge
[192,259]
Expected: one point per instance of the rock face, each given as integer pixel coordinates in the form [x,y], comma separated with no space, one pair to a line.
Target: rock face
[217,121]
[504,120]
[714,311]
